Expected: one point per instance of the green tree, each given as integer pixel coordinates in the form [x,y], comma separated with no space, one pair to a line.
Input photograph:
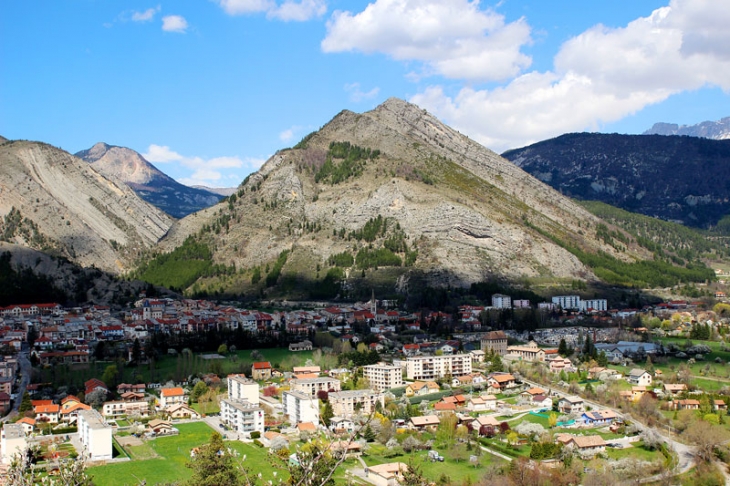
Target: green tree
[563,348]
[223,349]
[327,413]
[213,465]
[136,351]
[369,434]
[199,390]
[110,376]
[25,404]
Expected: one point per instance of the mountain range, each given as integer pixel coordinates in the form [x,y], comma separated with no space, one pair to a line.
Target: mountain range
[145,179]
[390,200]
[675,178]
[716,130]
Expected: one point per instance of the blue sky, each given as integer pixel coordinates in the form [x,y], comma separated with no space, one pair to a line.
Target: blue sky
[207,90]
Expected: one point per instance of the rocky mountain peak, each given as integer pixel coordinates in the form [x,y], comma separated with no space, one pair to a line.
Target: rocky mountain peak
[94,153]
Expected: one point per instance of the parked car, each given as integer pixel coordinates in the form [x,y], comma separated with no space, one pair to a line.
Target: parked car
[434,456]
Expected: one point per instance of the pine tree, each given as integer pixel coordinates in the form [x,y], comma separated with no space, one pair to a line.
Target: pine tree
[563,348]
[327,413]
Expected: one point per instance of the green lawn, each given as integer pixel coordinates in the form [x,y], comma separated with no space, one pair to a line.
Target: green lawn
[458,471]
[163,460]
[638,451]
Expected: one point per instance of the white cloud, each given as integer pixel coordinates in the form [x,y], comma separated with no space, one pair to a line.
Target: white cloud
[161,154]
[145,16]
[357,95]
[298,11]
[599,76]
[453,38]
[288,10]
[212,172]
[174,23]
[287,135]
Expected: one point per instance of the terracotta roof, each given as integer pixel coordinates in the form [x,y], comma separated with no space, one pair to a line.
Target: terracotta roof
[306,427]
[262,365]
[425,420]
[172,392]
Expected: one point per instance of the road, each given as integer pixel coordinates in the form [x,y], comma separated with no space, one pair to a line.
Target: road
[25,370]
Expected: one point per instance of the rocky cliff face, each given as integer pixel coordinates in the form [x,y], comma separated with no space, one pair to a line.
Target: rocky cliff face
[682,179]
[54,202]
[716,130]
[470,214]
[147,181]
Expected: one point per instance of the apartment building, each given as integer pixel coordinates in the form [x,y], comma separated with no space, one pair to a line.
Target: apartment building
[242,416]
[426,368]
[95,435]
[12,442]
[311,386]
[121,408]
[241,388]
[300,407]
[382,376]
[347,403]
[495,341]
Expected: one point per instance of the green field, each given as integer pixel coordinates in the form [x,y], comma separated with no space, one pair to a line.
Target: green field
[458,471]
[163,460]
[166,367]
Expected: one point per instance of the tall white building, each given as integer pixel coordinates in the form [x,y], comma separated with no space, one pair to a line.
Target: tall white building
[12,442]
[300,407]
[425,368]
[241,388]
[241,410]
[242,416]
[567,302]
[382,376]
[501,301]
[95,435]
[594,304]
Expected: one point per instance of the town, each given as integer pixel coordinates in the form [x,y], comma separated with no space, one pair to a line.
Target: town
[586,392]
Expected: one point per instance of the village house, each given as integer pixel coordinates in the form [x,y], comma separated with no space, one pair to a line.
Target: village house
[599,417]
[261,370]
[429,422]
[718,405]
[571,405]
[485,424]
[639,377]
[688,404]
[388,474]
[586,445]
[674,389]
[418,388]
[181,411]
[501,381]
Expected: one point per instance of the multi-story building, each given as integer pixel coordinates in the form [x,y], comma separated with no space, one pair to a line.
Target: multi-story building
[122,408]
[567,302]
[382,376]
[261,370]
[501,301]
[172,396]
[599,305]
[242,416]
[12,442]
[531,352]
[347,403]
[311,386]
[495,341]
[435,367]
[241,388]
[95,435]
[300,407]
